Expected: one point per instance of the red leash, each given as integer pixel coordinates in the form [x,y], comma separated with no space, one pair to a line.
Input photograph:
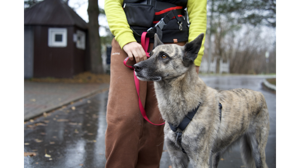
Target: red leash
[145,44]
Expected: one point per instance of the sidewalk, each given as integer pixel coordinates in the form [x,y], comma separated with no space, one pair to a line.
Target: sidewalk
[41,97]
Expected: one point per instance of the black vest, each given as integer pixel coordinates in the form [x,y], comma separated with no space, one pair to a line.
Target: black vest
[144,14]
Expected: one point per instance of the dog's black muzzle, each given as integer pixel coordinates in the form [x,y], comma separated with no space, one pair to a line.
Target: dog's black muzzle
[137,68]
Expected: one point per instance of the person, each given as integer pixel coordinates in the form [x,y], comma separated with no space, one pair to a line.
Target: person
[130,140]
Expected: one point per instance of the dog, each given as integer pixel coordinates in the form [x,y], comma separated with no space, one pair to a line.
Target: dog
[244,116]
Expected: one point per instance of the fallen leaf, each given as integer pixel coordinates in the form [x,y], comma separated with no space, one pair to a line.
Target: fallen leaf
[76,131]
[46,155]
[170,166]
[88,101]
[221,159]
[50,158]
[73,108]
[29,154]
[36,162]
[46,121]
[62,120]
[31,120]
[33,100]
[38,140]
[73,123]
[26,143]
[79,124]
[42,133]
[81,165]
[94,140]
[52,142]
[45,114]
[40,124]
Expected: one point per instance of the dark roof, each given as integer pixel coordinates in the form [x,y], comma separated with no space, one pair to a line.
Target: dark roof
[52,12]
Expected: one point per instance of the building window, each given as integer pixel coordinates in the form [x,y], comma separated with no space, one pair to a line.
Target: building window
[80,42]
[57,37]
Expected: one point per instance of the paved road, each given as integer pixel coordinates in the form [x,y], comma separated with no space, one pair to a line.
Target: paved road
[73,136]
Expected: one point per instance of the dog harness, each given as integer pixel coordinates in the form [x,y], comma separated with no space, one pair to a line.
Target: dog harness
[185,122]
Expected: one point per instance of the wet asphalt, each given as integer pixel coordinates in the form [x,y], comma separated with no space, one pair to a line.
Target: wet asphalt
[73,135]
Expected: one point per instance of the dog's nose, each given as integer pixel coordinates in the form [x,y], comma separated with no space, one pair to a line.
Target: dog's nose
[137,68]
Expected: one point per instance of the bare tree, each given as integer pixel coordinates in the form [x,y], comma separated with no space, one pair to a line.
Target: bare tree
[94,38]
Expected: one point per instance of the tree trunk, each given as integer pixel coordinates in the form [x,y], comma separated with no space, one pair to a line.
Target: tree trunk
[94,38]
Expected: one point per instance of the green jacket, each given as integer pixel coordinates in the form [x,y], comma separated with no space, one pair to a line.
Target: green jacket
[119,27]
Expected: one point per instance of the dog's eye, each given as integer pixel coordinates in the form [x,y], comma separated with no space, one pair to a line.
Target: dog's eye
[163,56]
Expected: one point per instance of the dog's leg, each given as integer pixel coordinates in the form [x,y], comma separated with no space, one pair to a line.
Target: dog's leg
[261,137]
[258,150]
[246,151]
[178,158]
[215,159]
[258,139]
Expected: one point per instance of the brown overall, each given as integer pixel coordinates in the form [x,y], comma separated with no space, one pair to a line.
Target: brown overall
[131,142]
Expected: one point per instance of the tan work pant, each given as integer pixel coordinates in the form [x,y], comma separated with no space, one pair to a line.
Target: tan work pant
[131,142]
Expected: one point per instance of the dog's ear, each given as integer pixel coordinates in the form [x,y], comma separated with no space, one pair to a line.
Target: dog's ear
[157,41]
[191,50]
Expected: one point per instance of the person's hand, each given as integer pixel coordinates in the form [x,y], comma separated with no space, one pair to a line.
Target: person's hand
[135,51]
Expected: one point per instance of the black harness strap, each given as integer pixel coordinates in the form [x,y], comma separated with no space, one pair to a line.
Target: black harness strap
[182,125]
[185,122]
[165,20]
[220,110]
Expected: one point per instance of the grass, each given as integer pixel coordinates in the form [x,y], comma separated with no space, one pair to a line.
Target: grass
[272,81]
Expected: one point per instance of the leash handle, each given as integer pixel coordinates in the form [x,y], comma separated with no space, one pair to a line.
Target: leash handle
[125,61]
[145,44]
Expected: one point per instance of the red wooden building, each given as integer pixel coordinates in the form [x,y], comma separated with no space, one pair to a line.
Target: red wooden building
[55,41]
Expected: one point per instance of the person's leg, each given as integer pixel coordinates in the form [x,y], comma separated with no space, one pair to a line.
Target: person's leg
[124,121]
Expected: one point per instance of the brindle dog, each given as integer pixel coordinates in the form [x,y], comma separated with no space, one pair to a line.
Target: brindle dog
[179,89]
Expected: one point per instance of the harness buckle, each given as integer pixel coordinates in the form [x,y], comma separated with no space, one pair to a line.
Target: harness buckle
[160,24]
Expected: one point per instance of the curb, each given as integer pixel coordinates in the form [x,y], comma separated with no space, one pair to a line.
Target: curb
[269,85]
[102,88]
